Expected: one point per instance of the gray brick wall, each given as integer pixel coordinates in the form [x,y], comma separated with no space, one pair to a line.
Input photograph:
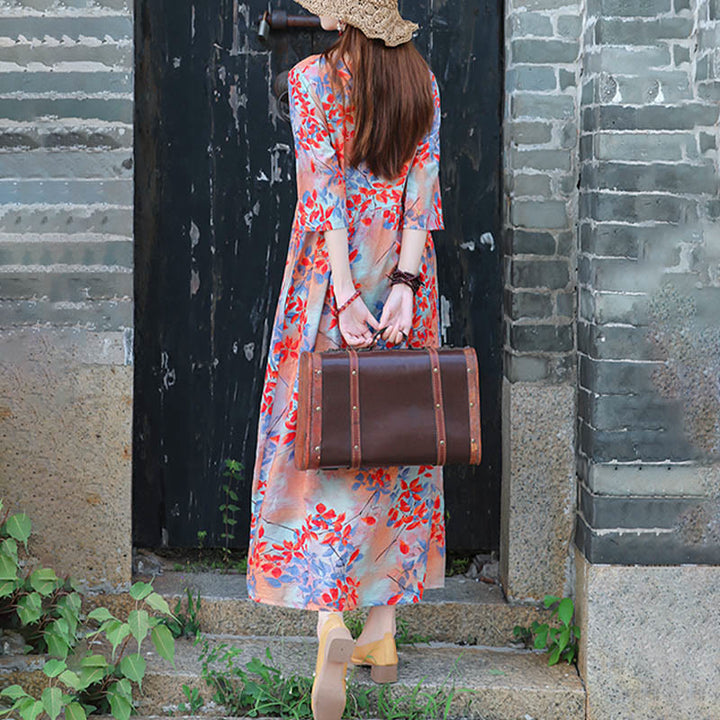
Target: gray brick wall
[66,175]
[541,129]
[647,334]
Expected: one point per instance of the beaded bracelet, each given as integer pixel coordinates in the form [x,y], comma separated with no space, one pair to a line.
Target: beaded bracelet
[414,282]
[350,300]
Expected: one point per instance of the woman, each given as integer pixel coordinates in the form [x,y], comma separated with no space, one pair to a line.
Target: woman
[366,117]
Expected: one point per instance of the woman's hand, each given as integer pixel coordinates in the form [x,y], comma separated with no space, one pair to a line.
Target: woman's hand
[353,322]
[397,314]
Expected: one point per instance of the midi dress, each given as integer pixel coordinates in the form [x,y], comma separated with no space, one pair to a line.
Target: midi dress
[343,538]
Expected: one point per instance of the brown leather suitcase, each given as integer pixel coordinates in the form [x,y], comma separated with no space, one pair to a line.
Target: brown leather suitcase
[388,407]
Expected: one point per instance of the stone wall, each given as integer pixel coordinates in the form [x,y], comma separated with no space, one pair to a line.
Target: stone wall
[649,286]
[66,283]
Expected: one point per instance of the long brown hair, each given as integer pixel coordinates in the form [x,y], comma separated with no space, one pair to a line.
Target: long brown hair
[392,96]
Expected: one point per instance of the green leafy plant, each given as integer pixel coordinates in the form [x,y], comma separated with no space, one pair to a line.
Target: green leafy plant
[259,688]
[34,602]
[229,506]
[46,610]
[561,641]
[183,624]
[194,702]
[404,636]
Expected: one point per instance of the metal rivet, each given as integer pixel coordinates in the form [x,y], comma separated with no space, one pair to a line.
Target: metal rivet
[472,441]
[468,369]
[318,408]
[435,369]
[471,404]
[317,449]
[437,405]
[354,407]
[442,442]
[317,372]
[357,447]
[354,372]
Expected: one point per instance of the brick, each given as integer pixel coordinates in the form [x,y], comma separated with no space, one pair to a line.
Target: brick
[525,368]
[532,77]
[616,342]
[539,214]
[710,91]
[708,142]
[89,137]
[680,5]
[641,32]
[65,286]
[608,240]
[118,252]
[528,305]
[530,133]
[622,308]
[28,109]
[569,26]
[65,82]
[553,274]
[49,192]
[541,159]
[640,8]
[637,208]
[531,185]
[612,377]
[625,60]
[681,55]
[544,52]
[643,411]
[541,338]
[587,96]
[565,304]
[94,315]
[74,219]
[533,105]
[686,117]
[525,242]
[676,177]
[115,54]
[531,23]
[566,242]
[544,4]
[675,86]
[43,163]
[567,78]
[586,304]
[642,146]
[29,26]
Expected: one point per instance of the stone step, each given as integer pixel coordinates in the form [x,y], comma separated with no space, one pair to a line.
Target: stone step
[489,683]
[464,611]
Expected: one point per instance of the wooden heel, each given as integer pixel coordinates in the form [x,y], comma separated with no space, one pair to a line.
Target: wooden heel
[382,674]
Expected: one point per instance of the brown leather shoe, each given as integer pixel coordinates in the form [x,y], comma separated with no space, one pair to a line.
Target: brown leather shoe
[382,657]
[334,650]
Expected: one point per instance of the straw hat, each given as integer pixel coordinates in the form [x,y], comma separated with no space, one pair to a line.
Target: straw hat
[375,18]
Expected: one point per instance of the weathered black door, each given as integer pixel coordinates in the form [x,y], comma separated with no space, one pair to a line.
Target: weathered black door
[214,201]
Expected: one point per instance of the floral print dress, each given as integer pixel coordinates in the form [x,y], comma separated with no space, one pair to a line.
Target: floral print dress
[339,539]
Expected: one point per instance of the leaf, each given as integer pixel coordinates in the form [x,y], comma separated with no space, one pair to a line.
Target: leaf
[18,526]
[117,633]
[140,590]
[158,602]
[7,587]
[90,676]
[94,661]
[101,614]
[554,656]
[133,667]
[164,643]
[29,608]
[120,707]
[56,644]
[139,622]
[14,692]
[75,711]
[8,568]
[44,580]
[9,547]
[70,678]
[52,701]
[53,668]
[31,710]
[565,610]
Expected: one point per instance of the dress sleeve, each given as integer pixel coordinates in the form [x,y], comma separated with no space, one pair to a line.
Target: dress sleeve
[320,179]
[423,204]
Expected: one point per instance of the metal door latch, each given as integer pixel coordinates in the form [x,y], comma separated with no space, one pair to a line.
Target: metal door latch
[280,20]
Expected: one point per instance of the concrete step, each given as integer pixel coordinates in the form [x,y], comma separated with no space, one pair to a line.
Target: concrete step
[490,683]
[464,611]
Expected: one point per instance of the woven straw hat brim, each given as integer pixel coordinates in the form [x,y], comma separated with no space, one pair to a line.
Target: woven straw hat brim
[375,18]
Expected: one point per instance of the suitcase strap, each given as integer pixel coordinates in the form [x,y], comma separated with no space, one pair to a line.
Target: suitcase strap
[439,407]
[355,447]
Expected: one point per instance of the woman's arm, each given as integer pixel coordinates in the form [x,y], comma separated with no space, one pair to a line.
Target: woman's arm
[353,320]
